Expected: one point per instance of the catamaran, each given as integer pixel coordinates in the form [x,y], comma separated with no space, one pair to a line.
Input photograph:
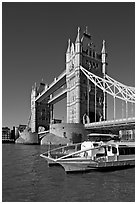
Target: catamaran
[93,155]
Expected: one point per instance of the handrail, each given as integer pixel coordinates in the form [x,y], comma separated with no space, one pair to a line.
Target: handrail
[77,152]
[62,147]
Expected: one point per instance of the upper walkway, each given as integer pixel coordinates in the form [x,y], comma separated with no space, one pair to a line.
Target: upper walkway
[55,85]
[112,124]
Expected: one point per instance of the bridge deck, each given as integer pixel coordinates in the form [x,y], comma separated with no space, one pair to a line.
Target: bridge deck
[121,123]
[56,84]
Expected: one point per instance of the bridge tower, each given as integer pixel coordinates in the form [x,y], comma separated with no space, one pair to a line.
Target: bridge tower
[33,108]
[40,111]
[85,101]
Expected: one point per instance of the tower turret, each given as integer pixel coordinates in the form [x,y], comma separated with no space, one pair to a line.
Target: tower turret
[77,49]
[104,70]
[78,41]
[68,52]
[33,108]
[103,57]
[72,49]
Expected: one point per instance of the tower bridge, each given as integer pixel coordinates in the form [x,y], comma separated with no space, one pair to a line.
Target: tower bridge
[86,86]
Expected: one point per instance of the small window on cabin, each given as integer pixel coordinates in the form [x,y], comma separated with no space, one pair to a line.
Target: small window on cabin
[95,145]
[114,150]
[109,148]
[132,150]
[121,151]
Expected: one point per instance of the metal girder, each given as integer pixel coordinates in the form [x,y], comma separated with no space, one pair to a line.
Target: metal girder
[111,86]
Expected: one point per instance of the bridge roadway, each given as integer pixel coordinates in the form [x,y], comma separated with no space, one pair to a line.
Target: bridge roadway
[112,125]
[54,86]
[58,97]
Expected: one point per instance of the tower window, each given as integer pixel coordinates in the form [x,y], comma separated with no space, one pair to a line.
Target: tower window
[98,56]
[86,61]
[43,118]
[94,54]
[64,134]
[90,65]
[93,64]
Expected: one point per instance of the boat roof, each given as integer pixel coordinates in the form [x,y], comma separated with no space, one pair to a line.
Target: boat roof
[121,143]
[101,134]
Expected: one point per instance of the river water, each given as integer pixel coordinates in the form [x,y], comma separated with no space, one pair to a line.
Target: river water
[26,177]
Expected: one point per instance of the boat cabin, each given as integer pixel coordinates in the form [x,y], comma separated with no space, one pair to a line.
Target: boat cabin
[97,137]
[116,151]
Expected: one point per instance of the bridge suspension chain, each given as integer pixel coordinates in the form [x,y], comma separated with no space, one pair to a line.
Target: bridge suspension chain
[111,86]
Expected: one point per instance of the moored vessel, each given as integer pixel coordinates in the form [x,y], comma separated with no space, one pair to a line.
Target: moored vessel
[99,152]
[107,156]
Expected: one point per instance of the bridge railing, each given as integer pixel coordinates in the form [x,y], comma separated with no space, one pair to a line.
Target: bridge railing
[109,122]
[53,98]
[56,79]
[53,83]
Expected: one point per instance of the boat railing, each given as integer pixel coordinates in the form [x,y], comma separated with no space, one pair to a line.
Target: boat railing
[63,150]
[75,153]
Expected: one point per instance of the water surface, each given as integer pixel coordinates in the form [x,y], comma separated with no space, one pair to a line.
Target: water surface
[26,177]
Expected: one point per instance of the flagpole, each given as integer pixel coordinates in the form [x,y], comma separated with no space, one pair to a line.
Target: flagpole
[88,97]
[95,103]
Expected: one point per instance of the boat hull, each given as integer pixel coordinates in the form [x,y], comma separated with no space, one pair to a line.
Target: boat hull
[78,166]
[50,161]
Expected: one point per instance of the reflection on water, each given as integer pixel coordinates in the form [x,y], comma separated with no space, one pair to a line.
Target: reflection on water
[26,177]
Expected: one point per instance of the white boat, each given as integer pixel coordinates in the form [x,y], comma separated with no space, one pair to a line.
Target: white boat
[93,140]
[52,154]
[105,156]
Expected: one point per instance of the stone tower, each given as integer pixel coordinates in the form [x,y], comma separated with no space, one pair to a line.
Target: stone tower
[83,105]
[40,112]
[33,108]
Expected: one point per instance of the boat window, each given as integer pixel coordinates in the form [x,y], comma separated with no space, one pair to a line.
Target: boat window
[126,150]
[132,150]
[114,150]
[98,138]
[109,148]
[95,144]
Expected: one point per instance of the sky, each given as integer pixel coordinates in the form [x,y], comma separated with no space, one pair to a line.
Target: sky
[34,43]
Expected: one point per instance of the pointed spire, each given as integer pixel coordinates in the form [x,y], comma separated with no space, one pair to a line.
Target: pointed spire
[35,86]
[68,50]
[86,30]
[78,36]
[103,51]
[72,49]
[104,55]
[86,34]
